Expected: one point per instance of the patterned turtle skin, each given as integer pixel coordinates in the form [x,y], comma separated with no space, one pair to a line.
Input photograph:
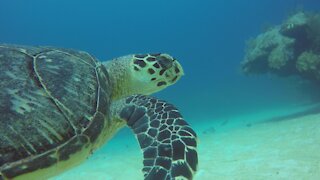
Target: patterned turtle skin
[58,105]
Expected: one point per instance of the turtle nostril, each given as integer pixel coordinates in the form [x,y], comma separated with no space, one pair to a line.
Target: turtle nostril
[164,62]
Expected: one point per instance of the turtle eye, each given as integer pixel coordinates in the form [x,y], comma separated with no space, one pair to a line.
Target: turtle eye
[164,62]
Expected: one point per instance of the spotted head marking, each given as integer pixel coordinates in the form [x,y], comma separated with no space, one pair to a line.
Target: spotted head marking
[156,70]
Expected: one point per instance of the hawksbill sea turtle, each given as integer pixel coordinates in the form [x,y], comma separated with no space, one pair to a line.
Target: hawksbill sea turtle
[59,105]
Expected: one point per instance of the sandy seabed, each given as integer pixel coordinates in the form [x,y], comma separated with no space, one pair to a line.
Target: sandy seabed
[265,145]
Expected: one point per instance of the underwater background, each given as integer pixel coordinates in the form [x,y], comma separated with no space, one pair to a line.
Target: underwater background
[208,37]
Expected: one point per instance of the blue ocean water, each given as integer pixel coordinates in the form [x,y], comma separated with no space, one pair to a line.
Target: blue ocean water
[208,37]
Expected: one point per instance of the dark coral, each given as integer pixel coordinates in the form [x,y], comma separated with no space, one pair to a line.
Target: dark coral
[292,48]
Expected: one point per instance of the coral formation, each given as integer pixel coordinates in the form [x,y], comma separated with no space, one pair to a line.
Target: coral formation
[268,50]
[292,48]
[308,63]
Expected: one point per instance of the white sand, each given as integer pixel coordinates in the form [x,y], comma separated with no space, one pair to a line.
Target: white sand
[282,148]
[279,150]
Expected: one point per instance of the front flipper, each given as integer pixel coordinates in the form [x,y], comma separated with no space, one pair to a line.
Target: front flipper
[167,141]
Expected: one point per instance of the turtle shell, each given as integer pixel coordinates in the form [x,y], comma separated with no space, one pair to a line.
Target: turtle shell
[53,104]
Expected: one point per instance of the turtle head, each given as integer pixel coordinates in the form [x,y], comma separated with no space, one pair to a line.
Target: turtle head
[154,72]
[143,73]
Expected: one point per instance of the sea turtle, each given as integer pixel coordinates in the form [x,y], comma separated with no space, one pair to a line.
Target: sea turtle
[58,105]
